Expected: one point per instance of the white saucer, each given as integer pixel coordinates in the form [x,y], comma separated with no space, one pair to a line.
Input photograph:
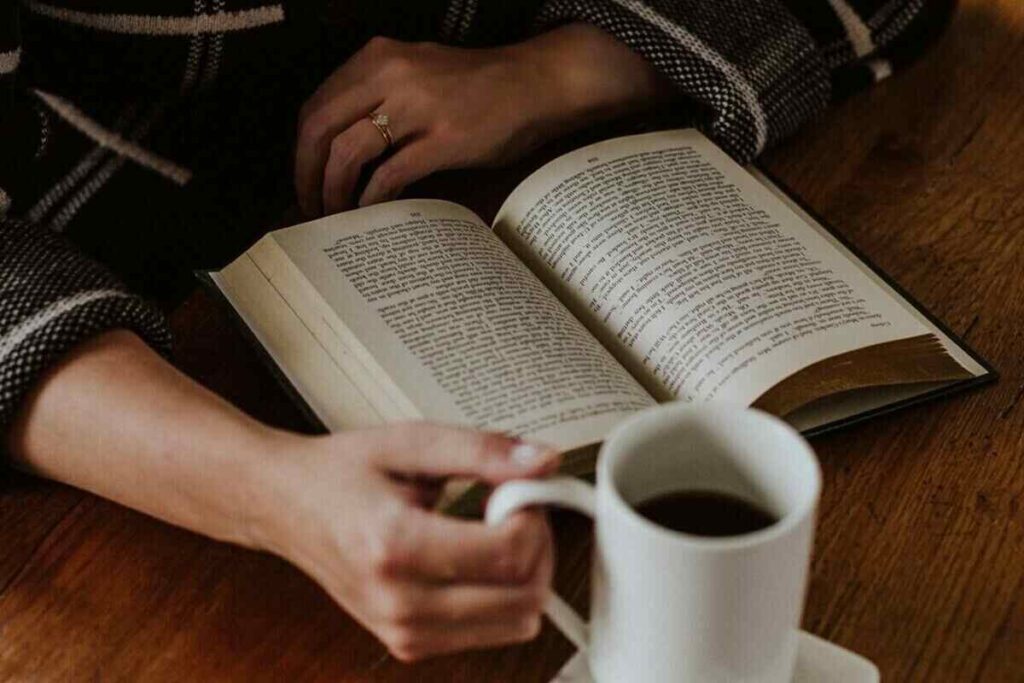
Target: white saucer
[817,661]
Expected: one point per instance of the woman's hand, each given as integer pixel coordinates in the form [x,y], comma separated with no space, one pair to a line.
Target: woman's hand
[450,107]
[353,511]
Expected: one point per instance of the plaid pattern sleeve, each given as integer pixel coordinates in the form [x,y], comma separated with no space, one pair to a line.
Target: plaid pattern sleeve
[16,112]
[758,69]
[51,295]
[51,298]
[83,128]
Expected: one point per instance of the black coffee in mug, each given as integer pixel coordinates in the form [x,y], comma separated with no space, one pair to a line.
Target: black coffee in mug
[705,513]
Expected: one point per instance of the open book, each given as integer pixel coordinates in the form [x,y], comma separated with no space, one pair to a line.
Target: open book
[637,270]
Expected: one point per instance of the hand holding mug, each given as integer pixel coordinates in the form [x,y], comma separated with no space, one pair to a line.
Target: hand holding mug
[354,510]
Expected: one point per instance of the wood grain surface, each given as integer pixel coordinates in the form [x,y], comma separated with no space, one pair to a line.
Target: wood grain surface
[919,560]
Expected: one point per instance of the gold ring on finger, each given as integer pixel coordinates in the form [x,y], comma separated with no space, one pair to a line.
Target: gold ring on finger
[382,123]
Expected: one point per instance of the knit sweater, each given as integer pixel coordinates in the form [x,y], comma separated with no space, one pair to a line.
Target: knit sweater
[136,147]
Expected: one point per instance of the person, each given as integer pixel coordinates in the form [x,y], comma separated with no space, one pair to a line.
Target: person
[139,146]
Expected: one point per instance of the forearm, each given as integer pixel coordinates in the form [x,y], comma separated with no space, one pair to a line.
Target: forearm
[115,419]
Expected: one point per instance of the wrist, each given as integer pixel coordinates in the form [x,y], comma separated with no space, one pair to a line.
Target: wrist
[272,496]
[582,75]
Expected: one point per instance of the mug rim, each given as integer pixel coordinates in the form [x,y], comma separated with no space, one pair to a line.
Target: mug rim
[783,526]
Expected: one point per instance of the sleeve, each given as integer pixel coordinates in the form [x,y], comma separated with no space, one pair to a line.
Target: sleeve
[753,71]
[51,296]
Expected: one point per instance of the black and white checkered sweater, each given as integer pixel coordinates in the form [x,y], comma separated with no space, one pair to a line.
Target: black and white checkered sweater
[135,147]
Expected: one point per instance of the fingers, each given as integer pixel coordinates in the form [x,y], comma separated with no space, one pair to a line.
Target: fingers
[414,646]
[409,164]
[324,117]
[332,166]
[439,451]
[352,149]
[433,548]
[460,605]
[420,621]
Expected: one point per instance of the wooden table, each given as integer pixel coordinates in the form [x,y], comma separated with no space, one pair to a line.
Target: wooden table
[919,562]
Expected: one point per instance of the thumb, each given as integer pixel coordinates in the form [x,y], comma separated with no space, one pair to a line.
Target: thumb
[423,449]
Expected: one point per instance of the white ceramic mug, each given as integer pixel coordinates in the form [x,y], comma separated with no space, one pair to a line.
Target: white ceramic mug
[673,607]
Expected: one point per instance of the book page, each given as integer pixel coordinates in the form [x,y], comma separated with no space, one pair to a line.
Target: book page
[327,390]
[955,350]
[703,283]
[448,315]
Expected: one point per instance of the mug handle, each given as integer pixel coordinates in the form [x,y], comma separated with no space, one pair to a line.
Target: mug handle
[561,491]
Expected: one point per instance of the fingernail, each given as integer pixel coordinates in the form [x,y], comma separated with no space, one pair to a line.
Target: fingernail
[528,454]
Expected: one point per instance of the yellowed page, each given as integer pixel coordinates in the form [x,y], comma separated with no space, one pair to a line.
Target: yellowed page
[701,281]
[912,360]
[434,307]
